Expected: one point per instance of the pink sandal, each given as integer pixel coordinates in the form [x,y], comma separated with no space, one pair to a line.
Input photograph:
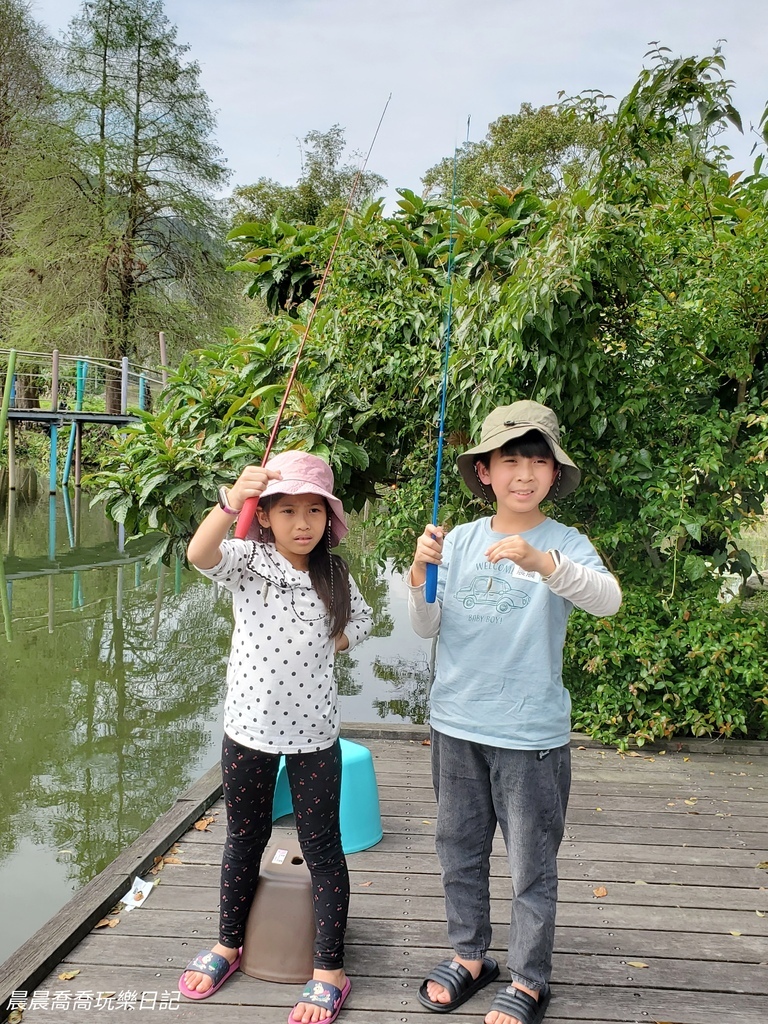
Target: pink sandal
[214,966]
[325,995]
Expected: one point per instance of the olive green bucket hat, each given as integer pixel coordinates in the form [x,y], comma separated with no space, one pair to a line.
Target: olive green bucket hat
[505,424]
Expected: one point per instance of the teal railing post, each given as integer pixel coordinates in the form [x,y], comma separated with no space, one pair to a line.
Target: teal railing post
[54,457]
[52,528]
[82,373]
[5,600]
[7,392]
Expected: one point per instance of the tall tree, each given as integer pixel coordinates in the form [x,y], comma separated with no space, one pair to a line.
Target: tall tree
[137,140]
[321,192]
[544,145]
[23,92]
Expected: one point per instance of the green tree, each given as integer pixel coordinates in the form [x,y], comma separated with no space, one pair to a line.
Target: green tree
[24,89]
[545,146]
[320,194]
[634,305]
[133,144]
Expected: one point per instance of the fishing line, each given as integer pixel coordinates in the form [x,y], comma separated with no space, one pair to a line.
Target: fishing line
[431,586]
[251,504]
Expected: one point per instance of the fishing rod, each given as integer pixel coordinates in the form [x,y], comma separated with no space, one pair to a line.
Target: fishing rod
[431,586]
[251,504]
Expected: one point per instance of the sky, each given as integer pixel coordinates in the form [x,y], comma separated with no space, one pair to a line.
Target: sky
[277,69]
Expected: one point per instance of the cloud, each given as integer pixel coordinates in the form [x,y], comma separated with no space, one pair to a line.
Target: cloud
[276,69]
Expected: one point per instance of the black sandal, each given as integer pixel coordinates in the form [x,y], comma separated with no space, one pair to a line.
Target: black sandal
[520,1005]
[458,981]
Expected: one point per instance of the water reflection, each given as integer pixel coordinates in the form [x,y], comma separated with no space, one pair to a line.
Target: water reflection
[112,679]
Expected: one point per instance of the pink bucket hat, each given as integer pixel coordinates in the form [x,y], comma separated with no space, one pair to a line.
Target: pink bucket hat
[308,474]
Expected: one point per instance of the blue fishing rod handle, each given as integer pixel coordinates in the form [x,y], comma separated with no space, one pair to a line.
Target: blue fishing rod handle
[430,591]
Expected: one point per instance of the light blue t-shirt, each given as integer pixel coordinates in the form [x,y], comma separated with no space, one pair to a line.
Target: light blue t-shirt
[499,674]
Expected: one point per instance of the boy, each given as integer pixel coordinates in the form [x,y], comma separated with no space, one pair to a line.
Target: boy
[499,713]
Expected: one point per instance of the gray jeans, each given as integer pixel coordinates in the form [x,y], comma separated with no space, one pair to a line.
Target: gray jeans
[526,792]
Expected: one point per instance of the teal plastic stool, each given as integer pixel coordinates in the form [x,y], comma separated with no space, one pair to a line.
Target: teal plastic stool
[360,814]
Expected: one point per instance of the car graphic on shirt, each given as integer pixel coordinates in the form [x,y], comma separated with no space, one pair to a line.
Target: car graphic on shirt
[490,590]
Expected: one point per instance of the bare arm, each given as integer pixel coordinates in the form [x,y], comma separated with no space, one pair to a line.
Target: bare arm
[204,549]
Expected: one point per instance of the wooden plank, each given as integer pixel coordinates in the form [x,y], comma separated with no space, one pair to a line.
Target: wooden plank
[654,939]
[396,997]
[397,959]
[421,884]
[702,879]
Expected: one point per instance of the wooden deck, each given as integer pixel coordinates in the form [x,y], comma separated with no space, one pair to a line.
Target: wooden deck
[663,910]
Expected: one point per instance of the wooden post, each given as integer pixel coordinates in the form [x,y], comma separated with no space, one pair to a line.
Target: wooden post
[119,597]
[5,602]
[12,473]
[7,404]
[77,517]
[52,528]
[163,359]
[11,535]
[158,600]
[124,386]
[55,381]
[78,452]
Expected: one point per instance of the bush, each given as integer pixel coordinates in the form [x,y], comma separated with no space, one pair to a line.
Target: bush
[658,669]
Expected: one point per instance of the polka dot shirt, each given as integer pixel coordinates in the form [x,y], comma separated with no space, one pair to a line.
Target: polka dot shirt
[281,694]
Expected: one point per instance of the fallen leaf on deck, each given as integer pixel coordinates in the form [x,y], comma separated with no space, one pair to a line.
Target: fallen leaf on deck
[15,1016]
[686,759]
[598,808]
[736,933]
[202,824]
[68,975]
[426,743]
[636,963]
[760,913]
[640,881]
[425,822]
[172,860]
[763,865]
[107,922]
[581,748]
[600,891]
[692,801]
[364,885]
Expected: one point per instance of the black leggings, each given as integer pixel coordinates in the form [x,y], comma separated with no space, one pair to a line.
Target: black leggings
[249,784]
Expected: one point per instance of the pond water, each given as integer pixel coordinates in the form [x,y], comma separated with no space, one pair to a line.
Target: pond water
[112,682]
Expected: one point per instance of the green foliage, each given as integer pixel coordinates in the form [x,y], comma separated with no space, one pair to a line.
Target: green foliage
[321,193]
[550,148]
[659,668]
[633,303]
[114,232]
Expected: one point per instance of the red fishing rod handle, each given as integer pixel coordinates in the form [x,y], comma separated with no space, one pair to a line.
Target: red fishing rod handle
[245,518]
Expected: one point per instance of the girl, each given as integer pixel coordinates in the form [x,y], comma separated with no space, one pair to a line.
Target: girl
[296,605]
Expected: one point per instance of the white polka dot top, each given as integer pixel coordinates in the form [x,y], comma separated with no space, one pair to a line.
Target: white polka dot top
[281,694]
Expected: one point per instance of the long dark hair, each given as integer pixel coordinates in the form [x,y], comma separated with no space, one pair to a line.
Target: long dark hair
[328,573]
